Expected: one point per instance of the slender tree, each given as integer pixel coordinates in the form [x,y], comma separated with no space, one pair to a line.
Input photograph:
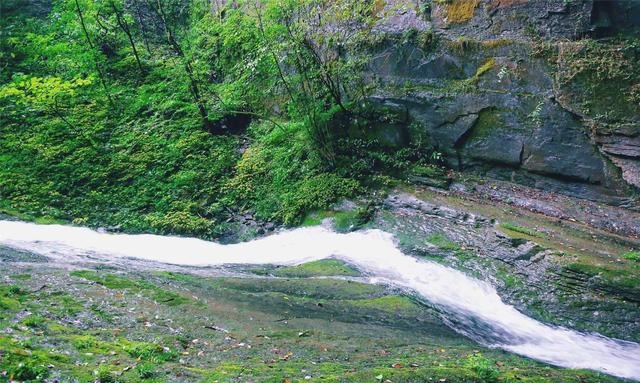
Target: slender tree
[92,46]
[177,49]
[122,23]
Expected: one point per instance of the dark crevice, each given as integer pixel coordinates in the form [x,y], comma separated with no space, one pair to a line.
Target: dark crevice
[464,137]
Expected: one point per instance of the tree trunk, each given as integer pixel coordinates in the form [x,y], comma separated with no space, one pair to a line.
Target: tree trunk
[193,84]
[86,35]
[125,28]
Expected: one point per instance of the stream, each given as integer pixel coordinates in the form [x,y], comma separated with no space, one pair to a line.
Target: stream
[472,307]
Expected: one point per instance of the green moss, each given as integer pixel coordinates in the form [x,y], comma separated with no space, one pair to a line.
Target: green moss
[66,305]
[45,220]
[428,171]
[167,297]
[105,374]
[312,288]
[513,228]
[343,221]
[426,40]
[21,277]
[390,303]
[150,352]
[325,267]
[632,256]
[27,362]
[351,220]
[7,303]
[34,321]
[313,219]
[180,277]
[273,176]
[601,76]
[621,282]
[488,122]
[485,370]
[510,280]
[12,291]
[29,371]
[84,342]
[485,67]
[113,281]
[442,242]
[11,297]
[110,281]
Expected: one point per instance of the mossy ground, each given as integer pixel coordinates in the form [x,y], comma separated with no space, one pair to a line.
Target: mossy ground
[325,267]
[110,326]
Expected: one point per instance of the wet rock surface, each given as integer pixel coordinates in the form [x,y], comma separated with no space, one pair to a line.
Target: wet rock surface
[8,255]
[558,271]
[131,324]
[551,267]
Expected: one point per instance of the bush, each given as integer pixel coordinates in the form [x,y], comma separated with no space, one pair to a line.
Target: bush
[315,193]
[146,370]
[34,321]
[632,256]
[483,368]
[29,371]
[105,375]
[281,177]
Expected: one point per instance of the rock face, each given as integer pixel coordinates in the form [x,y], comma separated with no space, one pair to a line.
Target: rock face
[521,90]
[534,273]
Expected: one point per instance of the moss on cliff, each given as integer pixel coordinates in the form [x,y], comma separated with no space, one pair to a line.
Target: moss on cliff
[601,78]
[488,121]
[460,11]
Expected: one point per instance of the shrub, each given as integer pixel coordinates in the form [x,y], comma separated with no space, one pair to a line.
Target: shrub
[316,192]
[105,375]
[146,370]
[28,371]
[34,321]
[281,177]
[632,256]
[483,368]
[150,352]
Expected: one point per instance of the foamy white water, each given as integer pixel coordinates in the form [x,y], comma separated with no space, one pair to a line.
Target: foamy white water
[475,307]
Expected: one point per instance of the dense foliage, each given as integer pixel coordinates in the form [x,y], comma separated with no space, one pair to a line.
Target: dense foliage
[169,115]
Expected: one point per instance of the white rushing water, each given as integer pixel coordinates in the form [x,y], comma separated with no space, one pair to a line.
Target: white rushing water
[475,307]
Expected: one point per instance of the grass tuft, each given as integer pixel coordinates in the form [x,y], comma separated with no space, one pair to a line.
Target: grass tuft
[460,11]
